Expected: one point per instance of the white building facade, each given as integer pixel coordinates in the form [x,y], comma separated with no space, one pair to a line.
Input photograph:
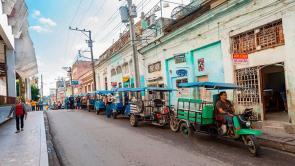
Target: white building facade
[262,31]
[17,54]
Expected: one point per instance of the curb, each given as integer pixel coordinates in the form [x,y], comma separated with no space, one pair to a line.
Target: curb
[53,158]
[287,145]
[5,121]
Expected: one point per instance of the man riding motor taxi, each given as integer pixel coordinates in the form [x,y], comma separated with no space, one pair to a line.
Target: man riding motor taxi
[225,110]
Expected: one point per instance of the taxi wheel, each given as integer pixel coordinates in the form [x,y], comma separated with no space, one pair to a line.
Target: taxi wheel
[174,124]
[114,115]
[133,120]
[185,130]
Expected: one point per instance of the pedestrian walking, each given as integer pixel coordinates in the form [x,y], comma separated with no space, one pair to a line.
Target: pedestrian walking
[19,113]
[33,104]
[72,100]
[78,100]
[40,105]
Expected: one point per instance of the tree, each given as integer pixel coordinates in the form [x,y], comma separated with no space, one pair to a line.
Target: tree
[35,91]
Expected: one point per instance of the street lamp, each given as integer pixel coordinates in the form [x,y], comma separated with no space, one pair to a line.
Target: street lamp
[87,33]
[69,70]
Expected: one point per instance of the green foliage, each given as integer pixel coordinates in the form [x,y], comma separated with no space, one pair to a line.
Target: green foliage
[35,92]
[17,88]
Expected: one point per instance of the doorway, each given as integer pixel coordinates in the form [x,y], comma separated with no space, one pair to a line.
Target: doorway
[273,88]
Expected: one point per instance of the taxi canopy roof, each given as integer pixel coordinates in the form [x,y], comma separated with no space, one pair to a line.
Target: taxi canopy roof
[160,89]
[211,85]
[105,92]
[130,89]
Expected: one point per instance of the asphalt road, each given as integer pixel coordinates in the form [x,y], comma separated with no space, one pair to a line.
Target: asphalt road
[87,139]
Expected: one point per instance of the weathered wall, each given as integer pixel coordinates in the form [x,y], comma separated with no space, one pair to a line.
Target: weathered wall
[220,24]
[289,30]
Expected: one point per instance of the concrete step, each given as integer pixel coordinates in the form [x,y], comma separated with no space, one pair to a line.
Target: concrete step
[276,136]
[277,126]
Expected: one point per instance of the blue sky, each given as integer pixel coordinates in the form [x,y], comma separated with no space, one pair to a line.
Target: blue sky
[56,46]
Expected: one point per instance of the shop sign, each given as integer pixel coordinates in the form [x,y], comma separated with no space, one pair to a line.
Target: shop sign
[126,79]
[75,82]
[240,58]
[179,58]
[181,73]
[114,83]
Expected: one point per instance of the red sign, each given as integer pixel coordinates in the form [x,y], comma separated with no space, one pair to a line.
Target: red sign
[240,58]
[201,64]
[114,84]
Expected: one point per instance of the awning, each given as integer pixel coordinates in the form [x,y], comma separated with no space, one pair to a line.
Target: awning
[25,58]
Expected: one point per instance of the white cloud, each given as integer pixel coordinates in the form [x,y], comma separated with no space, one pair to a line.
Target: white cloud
[47,22]
[36,14]
[38,29]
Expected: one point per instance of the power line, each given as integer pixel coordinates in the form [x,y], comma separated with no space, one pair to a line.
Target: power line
[76,12]
[113,30]
[67,36]
[85,12]
[98,11]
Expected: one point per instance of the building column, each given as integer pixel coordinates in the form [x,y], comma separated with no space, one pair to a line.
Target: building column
[28,89]
[289,33]
[11,76]
[228,65]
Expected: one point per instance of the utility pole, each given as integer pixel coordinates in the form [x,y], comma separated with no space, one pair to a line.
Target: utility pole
[134,49]
[90,45]
[71,79]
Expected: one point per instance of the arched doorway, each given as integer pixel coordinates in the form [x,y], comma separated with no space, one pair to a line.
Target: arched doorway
[273,87]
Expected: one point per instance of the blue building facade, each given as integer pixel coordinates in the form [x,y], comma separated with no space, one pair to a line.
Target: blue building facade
[201,64]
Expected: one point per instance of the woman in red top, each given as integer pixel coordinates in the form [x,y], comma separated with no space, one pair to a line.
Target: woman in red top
[19,112]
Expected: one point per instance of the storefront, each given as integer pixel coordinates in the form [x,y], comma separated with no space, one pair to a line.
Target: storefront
[264,72]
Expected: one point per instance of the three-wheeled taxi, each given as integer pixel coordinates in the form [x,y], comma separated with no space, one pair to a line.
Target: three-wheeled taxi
[154,109]
[198,116]
[123,101]
[99,105]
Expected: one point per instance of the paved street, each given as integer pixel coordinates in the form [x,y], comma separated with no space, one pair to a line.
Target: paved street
[83,138]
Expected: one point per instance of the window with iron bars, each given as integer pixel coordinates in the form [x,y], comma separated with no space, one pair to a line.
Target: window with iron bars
[248,78]
[154,67]
[179,58]
[264,37]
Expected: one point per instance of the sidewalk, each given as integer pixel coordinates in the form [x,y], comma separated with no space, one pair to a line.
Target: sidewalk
[278,140]
[27,148]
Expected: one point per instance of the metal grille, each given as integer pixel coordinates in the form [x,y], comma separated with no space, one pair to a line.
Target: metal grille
[113,72]
[248,78]
[266,36]
[244,43]
[270,35]
[154,67]
[2,69]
